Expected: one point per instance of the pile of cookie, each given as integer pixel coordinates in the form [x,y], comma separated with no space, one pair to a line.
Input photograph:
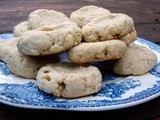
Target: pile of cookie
[91,34]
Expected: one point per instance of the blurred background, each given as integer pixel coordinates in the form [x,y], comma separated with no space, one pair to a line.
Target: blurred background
[146,13]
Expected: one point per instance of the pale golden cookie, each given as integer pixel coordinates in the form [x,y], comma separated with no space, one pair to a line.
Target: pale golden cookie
[97,51]
[108,27]
[50,40]
[137,60]
[85,14]
[69,80]
[43,17]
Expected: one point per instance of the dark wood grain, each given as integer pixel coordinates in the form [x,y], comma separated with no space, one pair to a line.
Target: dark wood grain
[146,15]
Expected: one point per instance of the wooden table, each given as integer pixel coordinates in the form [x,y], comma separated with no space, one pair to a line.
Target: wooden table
[146,15]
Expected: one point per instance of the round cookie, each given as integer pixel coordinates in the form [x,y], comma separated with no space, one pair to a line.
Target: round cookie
[69,80]
[43,17]
[20,64]
[20,28]
[85,14]
[97,51]
[50,40]
[137,60]
[107,27]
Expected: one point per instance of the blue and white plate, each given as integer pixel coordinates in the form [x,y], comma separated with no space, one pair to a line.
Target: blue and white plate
[117,91]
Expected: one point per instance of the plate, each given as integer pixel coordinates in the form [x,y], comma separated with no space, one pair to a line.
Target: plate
[117,91]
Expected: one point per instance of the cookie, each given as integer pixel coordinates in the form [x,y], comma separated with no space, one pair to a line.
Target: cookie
[20,64]
[20,28]
[85,14]
[137,60]
[50,40]
[69,80]
[43,17]
[108,27]
[97,51]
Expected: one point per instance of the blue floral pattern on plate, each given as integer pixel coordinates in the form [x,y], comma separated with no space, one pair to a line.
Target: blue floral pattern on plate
[156,70]
[4,69]
[117,91]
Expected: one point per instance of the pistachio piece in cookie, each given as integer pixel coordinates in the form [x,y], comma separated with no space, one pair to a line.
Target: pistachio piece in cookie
[50,40]
[69,80]
[97,51]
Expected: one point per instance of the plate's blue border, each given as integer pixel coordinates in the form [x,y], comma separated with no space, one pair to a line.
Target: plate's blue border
[150,44]
[43,99]
[65,103]
[6,36]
